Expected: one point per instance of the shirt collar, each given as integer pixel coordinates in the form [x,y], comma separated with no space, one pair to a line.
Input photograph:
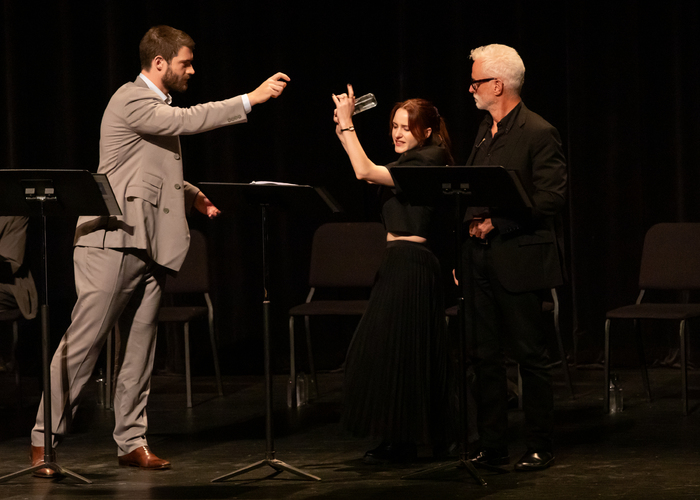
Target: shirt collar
[166,98]
[507,121]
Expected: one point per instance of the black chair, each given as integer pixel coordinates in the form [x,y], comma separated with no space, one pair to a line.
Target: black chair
[670,261]
[549,307]
[14,317]
[193,278]
[343,255]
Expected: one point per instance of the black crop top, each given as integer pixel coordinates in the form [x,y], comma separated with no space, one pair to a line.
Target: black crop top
[398,216]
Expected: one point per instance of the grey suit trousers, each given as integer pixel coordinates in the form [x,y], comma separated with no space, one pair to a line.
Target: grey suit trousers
[114,286]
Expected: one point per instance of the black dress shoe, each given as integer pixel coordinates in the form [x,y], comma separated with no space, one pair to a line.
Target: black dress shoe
[391,452]
[534,460]
[443,450]
[491,456]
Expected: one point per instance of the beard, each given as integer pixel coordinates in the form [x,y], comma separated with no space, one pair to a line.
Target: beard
[175,82]
[482,103]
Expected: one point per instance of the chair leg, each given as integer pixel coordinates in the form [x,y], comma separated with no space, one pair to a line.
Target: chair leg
[215,353]
[188,379]
[520,389]
[684,368]
[292,382]
[313,384]
[562,352]
[13,361]
[606,368]
[212,340]
[642,360]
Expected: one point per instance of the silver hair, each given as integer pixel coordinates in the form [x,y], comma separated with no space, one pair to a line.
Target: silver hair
[502,62]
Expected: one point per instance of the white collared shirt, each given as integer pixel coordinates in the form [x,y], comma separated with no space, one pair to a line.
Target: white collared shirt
[168,98]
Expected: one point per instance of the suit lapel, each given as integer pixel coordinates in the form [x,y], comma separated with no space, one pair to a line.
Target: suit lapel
[515,136]
[479,136]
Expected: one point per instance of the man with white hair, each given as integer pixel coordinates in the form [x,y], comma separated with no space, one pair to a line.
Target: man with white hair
[514,257]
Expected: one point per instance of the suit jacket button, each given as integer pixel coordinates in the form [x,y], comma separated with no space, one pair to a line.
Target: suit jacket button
[166,210]
[177,186]
[177,156]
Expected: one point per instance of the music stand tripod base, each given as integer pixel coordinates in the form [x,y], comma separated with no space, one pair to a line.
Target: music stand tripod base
[460,463]
[278,465]
[57,193]
[60,471]
[265,195]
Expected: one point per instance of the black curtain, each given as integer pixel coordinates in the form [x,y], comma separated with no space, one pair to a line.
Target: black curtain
[618,82]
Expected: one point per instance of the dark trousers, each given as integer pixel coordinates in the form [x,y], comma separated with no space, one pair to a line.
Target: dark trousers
[512,324]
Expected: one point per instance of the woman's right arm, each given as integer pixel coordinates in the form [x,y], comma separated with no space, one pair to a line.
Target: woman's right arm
[364,168]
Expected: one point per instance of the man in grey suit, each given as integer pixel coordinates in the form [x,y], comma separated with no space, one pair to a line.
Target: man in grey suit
[121,262]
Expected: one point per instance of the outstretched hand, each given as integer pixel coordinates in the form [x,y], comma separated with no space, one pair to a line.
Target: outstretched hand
[272,87]
[202,204]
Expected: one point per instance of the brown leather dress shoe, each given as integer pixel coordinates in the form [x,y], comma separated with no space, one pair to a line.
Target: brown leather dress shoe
[534,461]
[144,458]
[37,457]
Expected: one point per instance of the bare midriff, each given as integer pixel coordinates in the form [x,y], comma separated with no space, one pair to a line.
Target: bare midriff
[410,237]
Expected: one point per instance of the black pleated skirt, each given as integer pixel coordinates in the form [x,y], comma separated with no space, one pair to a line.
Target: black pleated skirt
[397,371]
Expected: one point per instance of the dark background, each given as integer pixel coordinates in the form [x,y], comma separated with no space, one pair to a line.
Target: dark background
[620,82]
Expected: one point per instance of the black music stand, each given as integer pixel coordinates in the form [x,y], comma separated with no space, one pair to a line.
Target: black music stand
[488,186]
[291,196]
[52,193]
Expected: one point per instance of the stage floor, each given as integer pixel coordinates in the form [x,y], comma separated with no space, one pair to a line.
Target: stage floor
[649,451]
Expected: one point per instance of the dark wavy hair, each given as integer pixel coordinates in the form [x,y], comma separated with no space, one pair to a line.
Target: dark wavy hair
[162,41]
[423,115]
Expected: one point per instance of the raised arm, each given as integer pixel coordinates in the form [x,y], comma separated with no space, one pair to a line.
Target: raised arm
[146,113]
[364,168]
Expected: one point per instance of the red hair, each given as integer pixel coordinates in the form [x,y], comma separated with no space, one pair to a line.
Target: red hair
[423,115]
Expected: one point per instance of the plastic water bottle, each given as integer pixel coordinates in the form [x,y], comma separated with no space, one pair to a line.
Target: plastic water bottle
[291,389]
[365,102]
[615,394]
[302,389]
[100,381]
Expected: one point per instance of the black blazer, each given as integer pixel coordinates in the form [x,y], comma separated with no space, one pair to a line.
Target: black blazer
[527,247]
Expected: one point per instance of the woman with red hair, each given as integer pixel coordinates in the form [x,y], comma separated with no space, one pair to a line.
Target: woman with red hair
[396,376]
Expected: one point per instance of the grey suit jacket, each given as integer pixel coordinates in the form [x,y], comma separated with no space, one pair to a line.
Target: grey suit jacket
[140,153]
[13,240]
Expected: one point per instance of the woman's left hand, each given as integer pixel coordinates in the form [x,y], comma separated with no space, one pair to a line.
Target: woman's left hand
[344,108]
[337,126]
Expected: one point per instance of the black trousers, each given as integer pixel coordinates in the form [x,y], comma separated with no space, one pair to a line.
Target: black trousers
[512,324]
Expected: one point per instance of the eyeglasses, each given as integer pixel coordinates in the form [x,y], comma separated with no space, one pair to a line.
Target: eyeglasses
[477,83]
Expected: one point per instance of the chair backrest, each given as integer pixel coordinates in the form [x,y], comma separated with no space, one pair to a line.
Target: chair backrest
[193,276]
[346,254]
[12,315]
[671,257]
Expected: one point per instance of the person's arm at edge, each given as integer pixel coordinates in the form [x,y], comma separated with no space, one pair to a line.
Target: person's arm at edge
[364,168]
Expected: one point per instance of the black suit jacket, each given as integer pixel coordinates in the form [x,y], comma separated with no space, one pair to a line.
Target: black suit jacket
[527,245]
